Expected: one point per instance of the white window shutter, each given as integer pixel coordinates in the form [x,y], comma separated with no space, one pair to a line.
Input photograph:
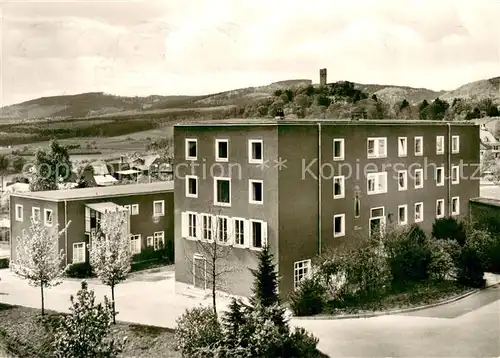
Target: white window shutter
[199,226]
[230,231]
[246,233]
[184,224]
[87,219]
[264,233]
[215,226]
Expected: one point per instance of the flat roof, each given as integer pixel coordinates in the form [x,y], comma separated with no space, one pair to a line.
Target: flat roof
[91,193]
[274,122]
[487,201]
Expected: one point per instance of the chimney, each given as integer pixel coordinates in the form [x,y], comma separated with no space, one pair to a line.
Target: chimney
[322,77]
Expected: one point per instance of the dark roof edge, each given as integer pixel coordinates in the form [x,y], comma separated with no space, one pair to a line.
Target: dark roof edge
[486,201]
[27,196]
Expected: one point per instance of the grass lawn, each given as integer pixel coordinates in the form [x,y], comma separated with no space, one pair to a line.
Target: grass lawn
[24,334]
[413,294]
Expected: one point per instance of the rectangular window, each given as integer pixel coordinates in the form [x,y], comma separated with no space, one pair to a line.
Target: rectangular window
[402,146]
[455,174]
[159,208]
[149,241]
[135,244]
[258,234]
[158,240]
[35,213]
[19,212]
[239,232]
[440,176]
[191,149]
[255,151]
[419,212]
[455,144]
[48,217]
[207,228]
[135,209]
[222,230]
[191,186]
[192,225]
[339,225]
[301,272]
[403,214]
[439,144]
[221,150]
[455,205]
[439,208]
[78,252]
[338,187]
[222,191]
[377,183]
[255,192]
[419,178]
[377,147]
[338,149]
[402,180]
[419,146]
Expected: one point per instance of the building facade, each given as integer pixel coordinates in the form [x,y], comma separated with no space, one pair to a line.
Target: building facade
[150,206]
[306,187]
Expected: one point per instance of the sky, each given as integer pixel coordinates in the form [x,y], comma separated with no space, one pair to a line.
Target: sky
[172,47]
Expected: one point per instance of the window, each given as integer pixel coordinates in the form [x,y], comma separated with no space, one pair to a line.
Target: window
[357,205]
[419,146]
[222,230]
[239,232]
[35,213]
[403,214]
[192,226]
[455,174]
[135,244]
[207,227]
[19,212]
[191,149]
[78,252]
[338,149]
[255,192]
[377,147]
[439,208]
[222,189]
[455,205]
[402,146]
[191,186]
[455,144]
[255,151]
[419,212]
[439,144]
[258,234]
[377,183]
[159,208]
[338,187]
[419,181]
[158,240]
[221,150]
[402,180]
[440,176]
[339,225]
[135,209]
[149,241]
[301,272]
[48,217]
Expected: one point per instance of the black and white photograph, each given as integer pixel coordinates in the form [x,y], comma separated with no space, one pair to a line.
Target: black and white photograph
[239,179]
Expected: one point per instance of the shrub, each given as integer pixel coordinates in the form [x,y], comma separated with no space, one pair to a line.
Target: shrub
[164,254]
[470,271]
[79,270]
[4,263]
[198,328]
[487,247]
[301,344]
[449,229]
[442,265]
[309,299]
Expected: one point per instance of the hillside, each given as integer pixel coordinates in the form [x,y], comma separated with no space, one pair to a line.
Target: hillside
[478,90]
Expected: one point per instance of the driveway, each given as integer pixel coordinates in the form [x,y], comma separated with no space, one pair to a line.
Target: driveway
[466,328]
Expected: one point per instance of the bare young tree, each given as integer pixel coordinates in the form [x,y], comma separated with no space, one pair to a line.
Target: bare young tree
[109,251]
[37,258]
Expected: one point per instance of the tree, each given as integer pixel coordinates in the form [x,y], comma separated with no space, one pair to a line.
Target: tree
[421,108]
[52,167]
[86,331]
[37,258]
[18,164]
[110,255]
[4,164]
[265,286]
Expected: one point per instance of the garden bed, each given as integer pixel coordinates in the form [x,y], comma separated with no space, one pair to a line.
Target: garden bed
[24,334]
[407,296]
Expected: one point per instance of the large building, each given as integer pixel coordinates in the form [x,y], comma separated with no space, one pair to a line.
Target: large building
[308,186]
[150,207]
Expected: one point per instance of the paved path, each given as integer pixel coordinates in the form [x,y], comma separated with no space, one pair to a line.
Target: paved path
[467,328]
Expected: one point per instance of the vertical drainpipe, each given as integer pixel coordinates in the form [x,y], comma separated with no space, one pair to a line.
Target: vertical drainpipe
[319,189]
[66,231]
[448,184]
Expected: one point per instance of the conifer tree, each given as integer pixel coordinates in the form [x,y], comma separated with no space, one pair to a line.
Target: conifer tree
[265,286]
